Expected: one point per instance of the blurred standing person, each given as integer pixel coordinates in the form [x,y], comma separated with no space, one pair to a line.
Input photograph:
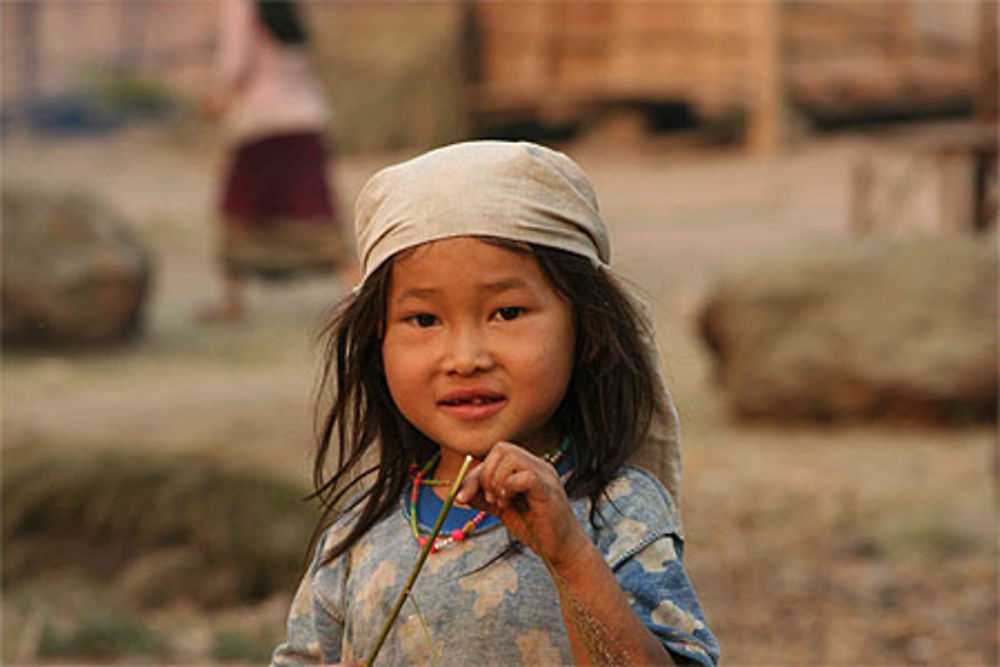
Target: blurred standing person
[277,212]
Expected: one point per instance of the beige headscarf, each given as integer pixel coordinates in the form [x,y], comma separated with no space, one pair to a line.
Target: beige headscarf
[512,190]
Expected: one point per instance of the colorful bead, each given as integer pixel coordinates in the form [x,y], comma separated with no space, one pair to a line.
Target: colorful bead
[458,534]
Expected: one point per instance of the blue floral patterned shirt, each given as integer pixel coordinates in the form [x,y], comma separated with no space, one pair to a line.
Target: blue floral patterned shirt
[472,608]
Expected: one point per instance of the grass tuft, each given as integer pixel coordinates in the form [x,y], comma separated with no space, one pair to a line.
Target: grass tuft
[926,537]
[102,634]
[218,536]
[236,646]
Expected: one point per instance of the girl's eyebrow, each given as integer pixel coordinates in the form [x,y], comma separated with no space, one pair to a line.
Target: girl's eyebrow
[502,285]
[430,292]
[417,293]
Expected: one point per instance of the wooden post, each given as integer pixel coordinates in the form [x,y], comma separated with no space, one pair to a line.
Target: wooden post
[766,95]
[862,222]
[904,38]
[956,191]
[986,96]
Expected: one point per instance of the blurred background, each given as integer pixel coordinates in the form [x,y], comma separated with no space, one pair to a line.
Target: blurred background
[806,190]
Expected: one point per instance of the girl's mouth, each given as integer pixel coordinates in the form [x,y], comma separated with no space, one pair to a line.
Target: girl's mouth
[472,405]
[478,400]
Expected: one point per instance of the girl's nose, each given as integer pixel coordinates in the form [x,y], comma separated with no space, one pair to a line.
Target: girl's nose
[468,352]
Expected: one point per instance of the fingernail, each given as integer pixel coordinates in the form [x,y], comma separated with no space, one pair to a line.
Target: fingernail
[460,497]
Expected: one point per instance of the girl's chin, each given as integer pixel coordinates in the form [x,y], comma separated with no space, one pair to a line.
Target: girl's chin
[478,450]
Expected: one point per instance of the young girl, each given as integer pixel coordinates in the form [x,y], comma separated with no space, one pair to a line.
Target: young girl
[487,323]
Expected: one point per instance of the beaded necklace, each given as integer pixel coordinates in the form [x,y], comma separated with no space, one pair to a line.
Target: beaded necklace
[457,535]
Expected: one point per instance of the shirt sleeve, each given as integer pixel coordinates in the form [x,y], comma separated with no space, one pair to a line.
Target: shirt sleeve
[642,543]
[315,627]
[301,647]
[660,593]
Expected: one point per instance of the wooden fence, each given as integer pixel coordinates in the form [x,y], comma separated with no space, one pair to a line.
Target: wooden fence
[50,46]
[756,57]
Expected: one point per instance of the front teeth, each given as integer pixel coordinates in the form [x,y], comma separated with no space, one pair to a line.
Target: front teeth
[472,401]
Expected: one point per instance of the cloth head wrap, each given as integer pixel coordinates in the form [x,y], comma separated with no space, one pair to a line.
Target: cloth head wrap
[512,190]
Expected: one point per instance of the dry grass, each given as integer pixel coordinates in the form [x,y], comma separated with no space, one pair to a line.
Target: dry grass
[160,528]
[851,546]
[99,546]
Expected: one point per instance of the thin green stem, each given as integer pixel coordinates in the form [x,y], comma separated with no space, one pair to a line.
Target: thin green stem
[435,659]
[420,561]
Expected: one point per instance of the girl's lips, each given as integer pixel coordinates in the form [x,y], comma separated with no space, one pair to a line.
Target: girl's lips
[472,404]
[472,411]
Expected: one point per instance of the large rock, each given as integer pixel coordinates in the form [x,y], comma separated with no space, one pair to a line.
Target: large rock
[72,271]
[867,330]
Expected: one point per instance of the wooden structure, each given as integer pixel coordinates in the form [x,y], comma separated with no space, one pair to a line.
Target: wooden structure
[549,60]
[940,180]
[49,47]
[931,181]
[559,59]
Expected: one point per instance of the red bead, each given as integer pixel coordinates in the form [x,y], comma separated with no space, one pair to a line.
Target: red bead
[434,547]
[457,535]
[422,541]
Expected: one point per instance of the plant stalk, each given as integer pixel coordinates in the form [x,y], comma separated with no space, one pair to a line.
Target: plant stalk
[420,561]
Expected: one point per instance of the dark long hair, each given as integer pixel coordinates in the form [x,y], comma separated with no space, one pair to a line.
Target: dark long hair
[605,412]
[282,21]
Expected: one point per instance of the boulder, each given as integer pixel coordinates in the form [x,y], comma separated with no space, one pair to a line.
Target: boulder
[72,271]
[871,330]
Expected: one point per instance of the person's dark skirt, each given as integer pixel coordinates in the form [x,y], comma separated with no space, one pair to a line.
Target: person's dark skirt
[278,209]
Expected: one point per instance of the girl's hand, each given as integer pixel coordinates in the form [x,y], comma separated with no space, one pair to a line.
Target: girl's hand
[524,492]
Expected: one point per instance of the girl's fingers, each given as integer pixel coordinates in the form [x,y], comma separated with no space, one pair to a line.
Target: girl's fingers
[522,481]
[489,480]
[470,486]
[479,481]
[520,473]
[505,467]
[514,461]
[499,454]
[488,467]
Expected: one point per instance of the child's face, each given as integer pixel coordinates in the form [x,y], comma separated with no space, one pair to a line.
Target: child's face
[478,347]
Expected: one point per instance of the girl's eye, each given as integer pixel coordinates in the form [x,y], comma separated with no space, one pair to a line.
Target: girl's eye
[423,320]
[509,312]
